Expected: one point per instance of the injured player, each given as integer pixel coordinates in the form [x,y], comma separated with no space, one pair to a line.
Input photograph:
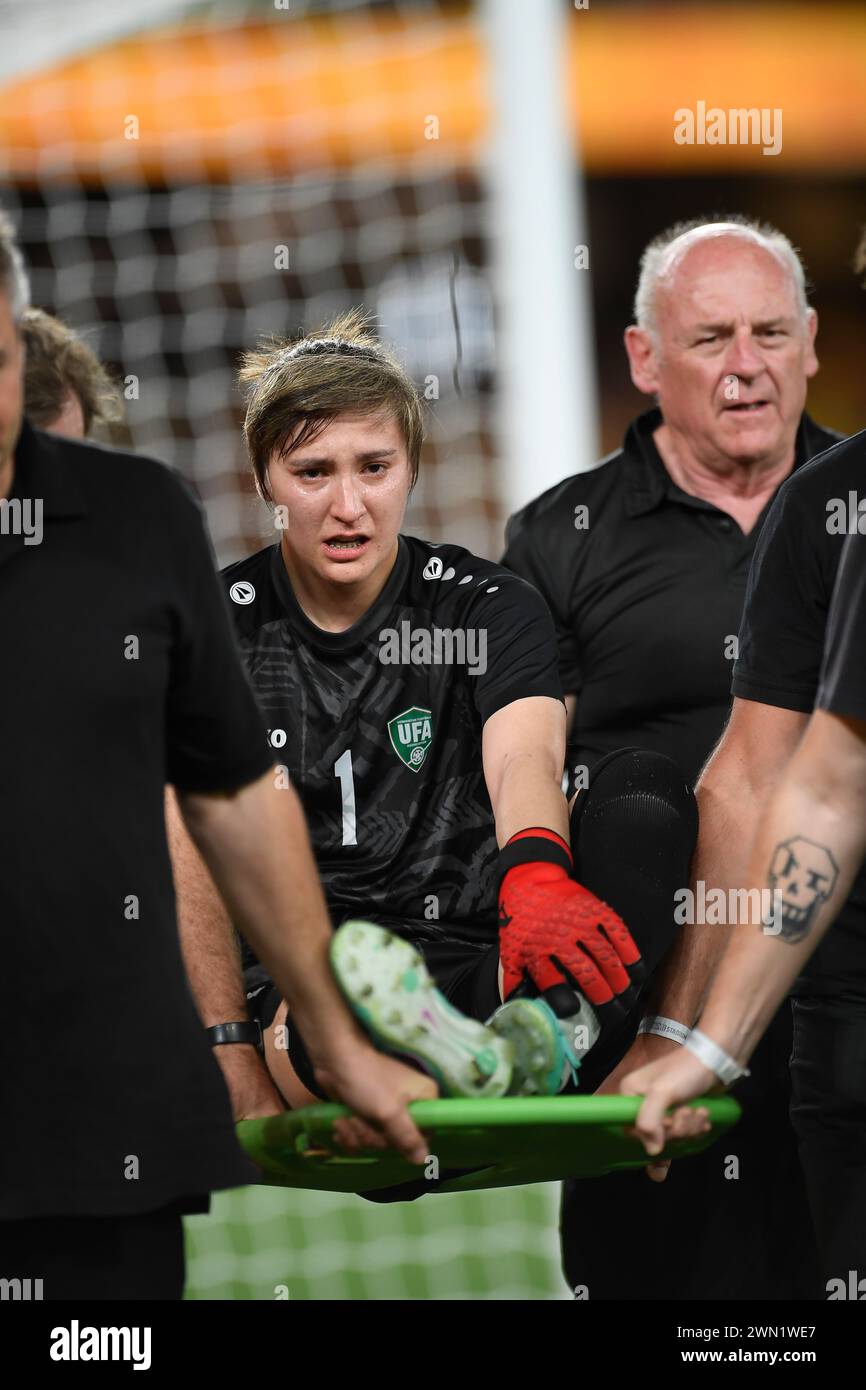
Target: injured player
[432,788]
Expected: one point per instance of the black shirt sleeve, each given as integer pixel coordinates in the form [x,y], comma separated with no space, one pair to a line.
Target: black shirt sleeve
[527,555]
[784,617]
[843,676]
[520,646]
[215,735]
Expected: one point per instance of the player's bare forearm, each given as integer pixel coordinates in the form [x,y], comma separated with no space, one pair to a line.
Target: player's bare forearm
[523,749]
[213,965]
[256,846]
[731,794]
[809,846]
[529,796]
[207,938]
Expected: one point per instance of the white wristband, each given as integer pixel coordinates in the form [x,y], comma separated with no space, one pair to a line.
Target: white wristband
[664,1027]
[714,1057]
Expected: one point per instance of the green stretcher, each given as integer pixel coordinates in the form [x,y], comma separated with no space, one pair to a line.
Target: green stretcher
[475,1143]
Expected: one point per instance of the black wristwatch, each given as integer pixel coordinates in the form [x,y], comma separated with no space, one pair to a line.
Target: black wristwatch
[245,1032]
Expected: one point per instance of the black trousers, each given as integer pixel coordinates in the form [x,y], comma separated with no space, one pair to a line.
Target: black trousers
[828,1074]
[96,1257]
[732,1222]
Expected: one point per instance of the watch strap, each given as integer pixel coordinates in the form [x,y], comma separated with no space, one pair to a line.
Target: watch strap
[245,1032]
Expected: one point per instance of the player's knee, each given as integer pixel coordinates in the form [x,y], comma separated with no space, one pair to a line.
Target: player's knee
[637,787]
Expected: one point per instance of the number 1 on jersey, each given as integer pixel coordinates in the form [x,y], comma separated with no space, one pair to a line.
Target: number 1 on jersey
[343,770]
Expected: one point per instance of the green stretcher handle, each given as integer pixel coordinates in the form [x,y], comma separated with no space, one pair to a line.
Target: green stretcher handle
[475,1143]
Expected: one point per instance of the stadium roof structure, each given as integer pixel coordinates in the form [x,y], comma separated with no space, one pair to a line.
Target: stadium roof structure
[294,89]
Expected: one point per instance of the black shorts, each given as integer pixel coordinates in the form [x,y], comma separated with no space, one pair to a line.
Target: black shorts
[467,975]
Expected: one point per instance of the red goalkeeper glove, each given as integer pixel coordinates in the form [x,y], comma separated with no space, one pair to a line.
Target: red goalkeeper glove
[558,935]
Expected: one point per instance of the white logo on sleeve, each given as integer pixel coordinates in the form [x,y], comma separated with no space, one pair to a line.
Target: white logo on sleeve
[242,592]
[433,568]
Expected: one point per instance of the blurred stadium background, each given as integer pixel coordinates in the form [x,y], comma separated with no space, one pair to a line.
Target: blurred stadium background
[189,176]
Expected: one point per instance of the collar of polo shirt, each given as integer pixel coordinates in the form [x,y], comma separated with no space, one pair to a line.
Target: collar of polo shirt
[42,471]
[647,481]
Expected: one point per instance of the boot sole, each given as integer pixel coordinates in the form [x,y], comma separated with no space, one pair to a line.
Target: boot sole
[388,986]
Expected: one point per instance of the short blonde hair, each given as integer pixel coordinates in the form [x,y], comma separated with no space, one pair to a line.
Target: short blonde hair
[294,389]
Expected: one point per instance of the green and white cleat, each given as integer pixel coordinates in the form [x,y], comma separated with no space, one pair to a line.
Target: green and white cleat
[543,1060]
[388,986]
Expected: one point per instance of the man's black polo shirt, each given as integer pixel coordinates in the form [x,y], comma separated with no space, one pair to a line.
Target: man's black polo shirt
[646,586]
[119,674]
[783,637]
[842,689]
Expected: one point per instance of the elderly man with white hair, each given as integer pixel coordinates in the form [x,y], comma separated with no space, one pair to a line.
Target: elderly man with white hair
[644,561]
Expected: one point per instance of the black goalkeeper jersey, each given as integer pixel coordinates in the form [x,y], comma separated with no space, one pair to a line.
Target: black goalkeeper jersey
[379,728]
